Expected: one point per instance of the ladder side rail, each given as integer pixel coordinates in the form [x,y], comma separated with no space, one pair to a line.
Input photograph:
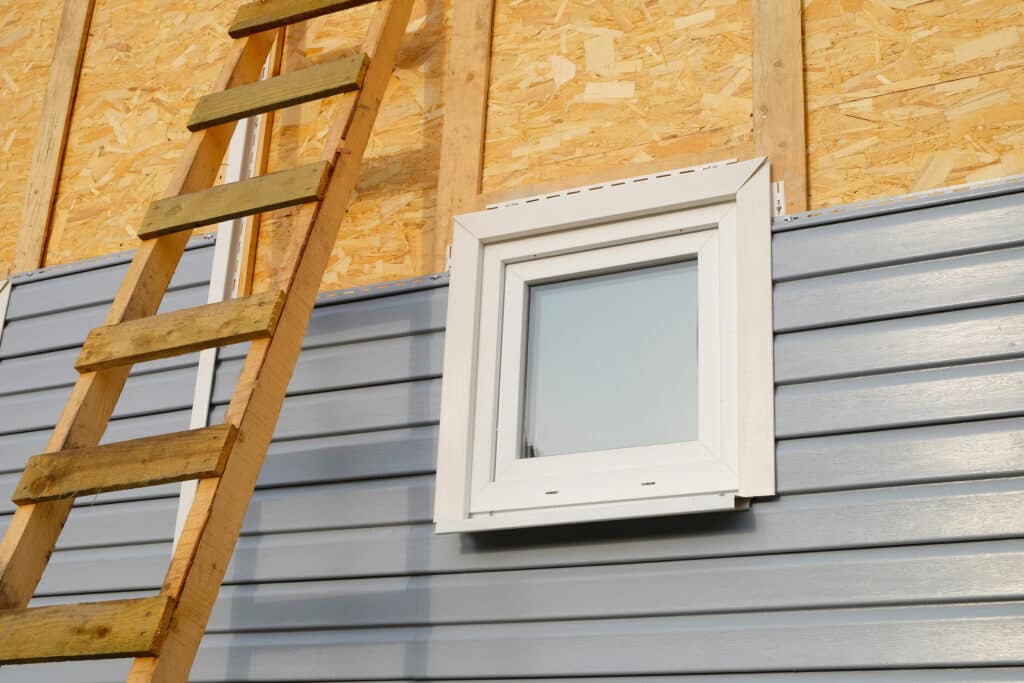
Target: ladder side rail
[33,531]
[215,518]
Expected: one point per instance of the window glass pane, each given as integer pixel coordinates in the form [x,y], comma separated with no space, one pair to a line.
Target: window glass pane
[611,361]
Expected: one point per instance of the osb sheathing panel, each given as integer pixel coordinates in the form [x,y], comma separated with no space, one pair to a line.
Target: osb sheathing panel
[965,130]
[146,63]
[28,29]
[396,194]
[578,85]
[905,95]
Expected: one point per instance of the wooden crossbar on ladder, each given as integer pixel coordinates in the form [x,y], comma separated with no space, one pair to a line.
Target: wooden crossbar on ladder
[163,632]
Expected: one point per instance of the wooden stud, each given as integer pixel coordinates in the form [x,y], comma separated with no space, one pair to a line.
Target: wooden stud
[268,14]
[32,532]
[251,233]
[52,136]
[180,332]
[233,200]
[153,460]
[215,518]
[313,83]
[117,628]
[779,108]
[465,118]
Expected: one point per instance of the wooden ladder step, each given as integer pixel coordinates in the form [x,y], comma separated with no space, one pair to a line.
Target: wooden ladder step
[180,332]
[269,14]
[244,198]
[313,83]
[95,630]
[153,460]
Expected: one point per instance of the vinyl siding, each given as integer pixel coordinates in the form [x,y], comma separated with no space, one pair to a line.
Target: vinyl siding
[894,552]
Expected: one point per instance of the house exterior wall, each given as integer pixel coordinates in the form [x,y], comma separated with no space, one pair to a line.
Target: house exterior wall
[892,552]
[900,96]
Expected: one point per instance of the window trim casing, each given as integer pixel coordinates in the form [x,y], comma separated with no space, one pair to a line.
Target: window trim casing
[736,198]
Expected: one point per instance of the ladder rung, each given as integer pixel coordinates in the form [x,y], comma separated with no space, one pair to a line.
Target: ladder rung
[95,630]
[244,198]
[315,82]
[163,459]
[184,331]
[267,14]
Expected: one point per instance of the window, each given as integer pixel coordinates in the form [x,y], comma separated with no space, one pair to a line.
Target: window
[609,353]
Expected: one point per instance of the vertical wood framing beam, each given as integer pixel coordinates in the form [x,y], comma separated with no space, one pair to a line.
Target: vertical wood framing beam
[465,120]
[52,136]
[779,109]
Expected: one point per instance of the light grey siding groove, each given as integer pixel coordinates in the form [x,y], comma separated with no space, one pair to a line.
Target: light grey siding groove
[981,279]
[892,553]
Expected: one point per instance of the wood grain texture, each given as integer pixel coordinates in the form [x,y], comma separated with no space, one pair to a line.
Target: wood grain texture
[316,82]
[180,332]
[466,84]
[52,135]
[119,628]
[779,113]
[264,15]
[233,200]
[162,459]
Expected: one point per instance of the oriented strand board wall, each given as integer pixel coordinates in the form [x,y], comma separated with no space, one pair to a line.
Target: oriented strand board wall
[381,237]
[146,63]
[578,85]
[907,95]
[28,29]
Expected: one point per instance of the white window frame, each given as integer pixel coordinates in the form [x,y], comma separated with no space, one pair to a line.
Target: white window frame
[721,216]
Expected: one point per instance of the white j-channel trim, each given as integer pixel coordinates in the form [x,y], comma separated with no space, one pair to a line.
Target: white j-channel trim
[223,285]
[5,301]
[493,250]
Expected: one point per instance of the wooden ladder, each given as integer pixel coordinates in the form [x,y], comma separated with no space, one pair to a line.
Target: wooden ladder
[163,632]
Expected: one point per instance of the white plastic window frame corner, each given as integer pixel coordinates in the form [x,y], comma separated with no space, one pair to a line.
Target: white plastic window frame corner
[720,216]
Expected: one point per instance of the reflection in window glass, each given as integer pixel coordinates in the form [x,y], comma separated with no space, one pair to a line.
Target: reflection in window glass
[611,361]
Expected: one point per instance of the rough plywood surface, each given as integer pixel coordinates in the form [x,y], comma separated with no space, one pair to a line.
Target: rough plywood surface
[380,239]
[962,131]
[28,29]
[905,95]
[862,48]
[146,63]
[578,85]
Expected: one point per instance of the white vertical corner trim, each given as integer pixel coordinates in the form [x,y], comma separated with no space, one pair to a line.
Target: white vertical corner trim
[5,300]
[223,286]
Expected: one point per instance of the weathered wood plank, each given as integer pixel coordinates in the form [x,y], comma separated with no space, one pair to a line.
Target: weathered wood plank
[779,117]
[465,119]
[322,80]
[162,459]
[264,15]
[233,200]
[51,140]
[119,628]
[172,334]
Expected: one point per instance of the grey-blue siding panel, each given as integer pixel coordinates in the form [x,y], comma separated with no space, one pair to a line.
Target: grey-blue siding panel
[895,542]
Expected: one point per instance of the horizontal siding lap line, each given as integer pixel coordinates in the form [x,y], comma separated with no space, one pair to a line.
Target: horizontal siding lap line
[916,515]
